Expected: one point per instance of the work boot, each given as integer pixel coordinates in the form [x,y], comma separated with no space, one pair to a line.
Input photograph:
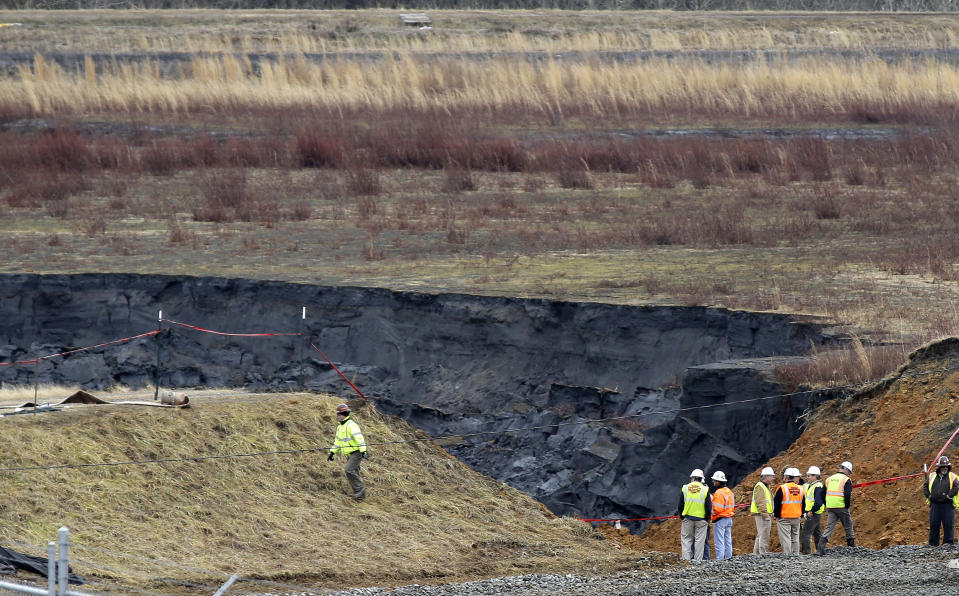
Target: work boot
[850,542]
[820,547]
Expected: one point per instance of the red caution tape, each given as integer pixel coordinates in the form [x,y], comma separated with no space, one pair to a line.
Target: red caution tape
[109,343]
[195,328]
[885,480]
[358,392]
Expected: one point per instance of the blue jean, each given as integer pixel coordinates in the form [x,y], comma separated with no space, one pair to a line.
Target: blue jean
[723,538]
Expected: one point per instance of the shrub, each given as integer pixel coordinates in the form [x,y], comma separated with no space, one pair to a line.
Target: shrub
[459,180]
[574,178]
[224,188]
[160,158]
[315,150]
[854,364]
[363,182]
[63,150]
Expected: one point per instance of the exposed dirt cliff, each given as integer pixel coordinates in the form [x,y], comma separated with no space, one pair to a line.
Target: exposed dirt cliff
[887,430]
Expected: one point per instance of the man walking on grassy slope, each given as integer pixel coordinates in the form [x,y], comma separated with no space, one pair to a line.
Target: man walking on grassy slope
[814,503]
[838,497]
[762,509]
[350,442]
[941,489]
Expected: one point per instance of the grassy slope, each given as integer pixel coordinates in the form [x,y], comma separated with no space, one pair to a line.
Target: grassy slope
[887,431]
[285,517]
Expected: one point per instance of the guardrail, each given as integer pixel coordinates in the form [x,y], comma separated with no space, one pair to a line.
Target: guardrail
[58,569]
[58,573]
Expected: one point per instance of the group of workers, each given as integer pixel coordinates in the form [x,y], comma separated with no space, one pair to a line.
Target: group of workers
[797,507]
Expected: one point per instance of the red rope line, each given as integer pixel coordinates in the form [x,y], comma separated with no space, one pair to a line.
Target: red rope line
[194,327]
[109,343]
[358,392]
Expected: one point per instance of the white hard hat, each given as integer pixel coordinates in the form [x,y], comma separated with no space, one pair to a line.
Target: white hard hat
[719,476]
[813,470]
[792,472]
[847,465]
[697,473]
[767,471]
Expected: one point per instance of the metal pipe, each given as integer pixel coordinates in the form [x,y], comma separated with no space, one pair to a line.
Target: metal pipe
[23,589]
[156,371]
[52,568]
[63,563]
[227,585]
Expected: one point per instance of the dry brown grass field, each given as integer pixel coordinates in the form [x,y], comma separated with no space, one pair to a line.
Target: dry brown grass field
[823,183]
[820,182]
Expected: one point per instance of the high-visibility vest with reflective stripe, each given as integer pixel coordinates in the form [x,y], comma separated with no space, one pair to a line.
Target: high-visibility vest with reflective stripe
[835,496]
[769,499]
[952,480]
[792,501]
[724,503]
[694,497]
[811,497]
[348,438]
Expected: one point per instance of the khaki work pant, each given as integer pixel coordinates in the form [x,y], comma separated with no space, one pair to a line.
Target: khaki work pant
[832,517]
[693,532]
[352,472]
[788,535]
[763,527]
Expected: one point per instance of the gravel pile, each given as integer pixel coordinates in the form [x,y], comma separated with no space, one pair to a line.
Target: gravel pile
[918,570]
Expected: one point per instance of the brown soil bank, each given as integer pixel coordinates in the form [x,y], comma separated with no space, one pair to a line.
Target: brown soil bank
[887,430]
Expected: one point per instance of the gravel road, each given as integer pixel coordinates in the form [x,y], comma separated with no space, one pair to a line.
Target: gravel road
[919,570]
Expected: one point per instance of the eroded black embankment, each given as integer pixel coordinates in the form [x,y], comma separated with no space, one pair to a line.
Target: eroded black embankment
[452,364]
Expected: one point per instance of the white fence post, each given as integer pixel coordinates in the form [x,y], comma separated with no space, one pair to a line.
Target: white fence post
[52,568]
[63,564]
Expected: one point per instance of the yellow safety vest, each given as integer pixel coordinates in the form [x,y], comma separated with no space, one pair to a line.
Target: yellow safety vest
[952,480]
[694,497]
[811,497]
[348,438]
[769,499]
[835,496]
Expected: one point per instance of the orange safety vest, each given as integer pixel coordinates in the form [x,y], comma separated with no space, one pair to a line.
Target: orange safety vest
[792,501]
[724,503]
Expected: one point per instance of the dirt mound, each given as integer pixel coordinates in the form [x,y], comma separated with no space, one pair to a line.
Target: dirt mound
[889,429]
[282,517]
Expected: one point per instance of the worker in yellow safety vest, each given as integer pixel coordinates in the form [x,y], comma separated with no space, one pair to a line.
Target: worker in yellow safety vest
[695,508]
[724,506]
[787,509]
[838,499]
[814,504]
[762,510]
[941,489]
[349,441]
